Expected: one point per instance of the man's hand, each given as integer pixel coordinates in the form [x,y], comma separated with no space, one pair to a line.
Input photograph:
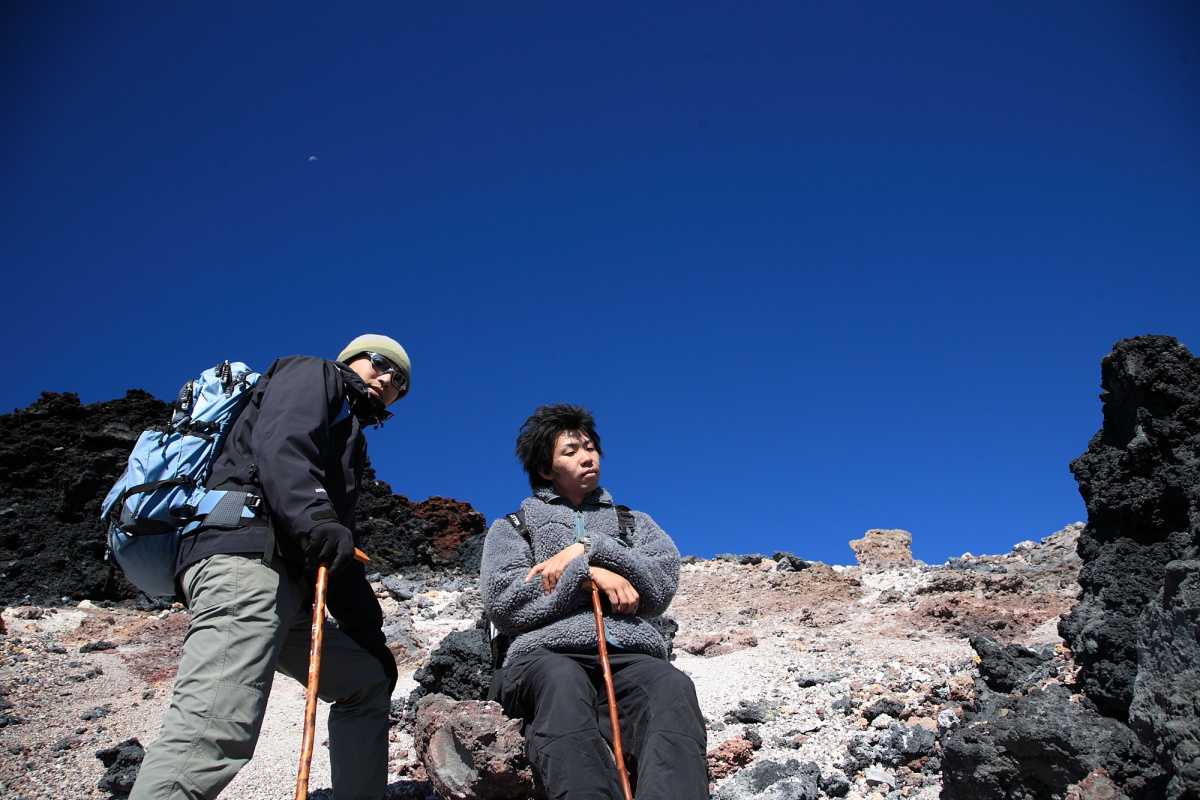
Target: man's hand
[331,544]
[622,597]
[552,568]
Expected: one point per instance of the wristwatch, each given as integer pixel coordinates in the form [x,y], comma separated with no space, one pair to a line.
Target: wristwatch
[586,541]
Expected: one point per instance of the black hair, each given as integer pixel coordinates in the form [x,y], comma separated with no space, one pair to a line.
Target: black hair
[535,442]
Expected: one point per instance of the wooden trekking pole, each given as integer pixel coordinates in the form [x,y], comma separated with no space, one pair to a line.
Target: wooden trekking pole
[314,676]
[602,646]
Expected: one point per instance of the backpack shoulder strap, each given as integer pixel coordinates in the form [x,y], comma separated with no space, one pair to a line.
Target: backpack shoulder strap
[517,520]
[625,523]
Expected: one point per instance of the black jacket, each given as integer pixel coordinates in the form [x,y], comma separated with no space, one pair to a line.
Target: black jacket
[299,444]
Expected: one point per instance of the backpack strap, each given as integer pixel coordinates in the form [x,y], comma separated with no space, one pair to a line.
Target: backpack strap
[625,525]
[517,520]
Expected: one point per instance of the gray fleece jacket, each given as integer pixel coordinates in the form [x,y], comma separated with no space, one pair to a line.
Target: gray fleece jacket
[563,619]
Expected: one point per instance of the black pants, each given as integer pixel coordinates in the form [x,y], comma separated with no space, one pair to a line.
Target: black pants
[562,700]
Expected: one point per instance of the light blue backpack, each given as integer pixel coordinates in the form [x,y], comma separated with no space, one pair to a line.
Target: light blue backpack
[161,496]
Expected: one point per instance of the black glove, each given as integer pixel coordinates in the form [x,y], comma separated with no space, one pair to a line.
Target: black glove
[332,544]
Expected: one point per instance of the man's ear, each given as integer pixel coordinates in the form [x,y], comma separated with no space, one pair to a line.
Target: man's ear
[547,474]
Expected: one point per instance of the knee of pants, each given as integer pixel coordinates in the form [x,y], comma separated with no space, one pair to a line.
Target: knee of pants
[370,695]
[551,685]
[673,705]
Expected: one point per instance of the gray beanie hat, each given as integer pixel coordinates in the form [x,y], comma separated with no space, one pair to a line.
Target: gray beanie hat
[385,346]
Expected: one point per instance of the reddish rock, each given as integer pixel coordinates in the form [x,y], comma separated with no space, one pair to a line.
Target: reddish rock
[730,756]
[967,616]
[1096,786]
[451,523]
[470,750]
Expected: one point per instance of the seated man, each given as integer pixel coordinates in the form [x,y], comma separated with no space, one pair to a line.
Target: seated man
[551,678]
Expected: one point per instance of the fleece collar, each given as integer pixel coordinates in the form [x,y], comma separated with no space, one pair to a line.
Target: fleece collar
[597,497]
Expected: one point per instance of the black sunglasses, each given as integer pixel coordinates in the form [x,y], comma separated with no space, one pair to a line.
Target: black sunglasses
[383,365]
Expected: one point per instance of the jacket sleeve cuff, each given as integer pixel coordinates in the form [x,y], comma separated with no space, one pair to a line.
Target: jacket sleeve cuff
[606,552]
[576,571]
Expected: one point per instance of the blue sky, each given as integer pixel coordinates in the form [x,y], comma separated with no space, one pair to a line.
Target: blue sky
[816,267]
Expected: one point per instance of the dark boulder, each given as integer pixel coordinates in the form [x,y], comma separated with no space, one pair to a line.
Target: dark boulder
[1036,745]
[58,459]
[470,554]
[1139,479]
[1136,629]
[886,705]
[901,745]
[1164,712]
[1135,633]
[460,668]
[392,537]
[1009,668]
[122,763]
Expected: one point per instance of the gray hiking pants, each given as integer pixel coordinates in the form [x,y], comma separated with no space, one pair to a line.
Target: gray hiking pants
[249,620]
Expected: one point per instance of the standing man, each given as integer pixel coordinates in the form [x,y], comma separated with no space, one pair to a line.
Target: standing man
[298,445]
[552,679]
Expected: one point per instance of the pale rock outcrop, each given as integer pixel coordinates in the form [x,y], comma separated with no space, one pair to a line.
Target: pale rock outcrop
[883,549]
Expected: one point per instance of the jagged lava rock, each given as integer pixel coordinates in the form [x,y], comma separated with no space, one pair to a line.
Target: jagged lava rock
[1164,707]
[1134,631]
[122,763]
[1010,668]
[1136,628]
[1140,478]
[461,666]
[58,459]
[1037,745]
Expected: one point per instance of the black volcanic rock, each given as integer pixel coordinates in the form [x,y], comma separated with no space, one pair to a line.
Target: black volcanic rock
[460,668]
[1136,629]
[1037,745]
[58,459]
[1164,707]
[122,762]
[1011,667]
[1140,478]
[1135,633]
[391,536]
